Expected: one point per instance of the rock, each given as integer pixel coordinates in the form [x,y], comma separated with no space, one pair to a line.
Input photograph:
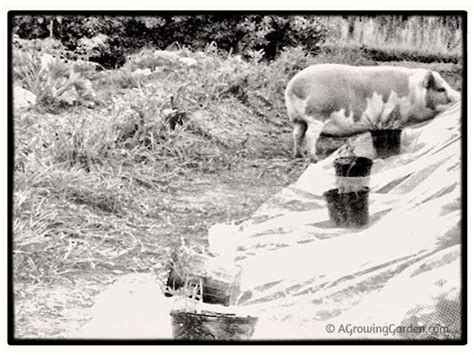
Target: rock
[145,72]
[23,98]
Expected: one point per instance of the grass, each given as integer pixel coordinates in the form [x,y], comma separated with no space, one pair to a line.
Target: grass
[108,188]
[420,38]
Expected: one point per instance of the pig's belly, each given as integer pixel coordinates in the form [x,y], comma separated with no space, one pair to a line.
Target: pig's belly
[339,124]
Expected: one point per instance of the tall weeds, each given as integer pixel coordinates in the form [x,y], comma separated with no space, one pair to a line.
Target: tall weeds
[438,35]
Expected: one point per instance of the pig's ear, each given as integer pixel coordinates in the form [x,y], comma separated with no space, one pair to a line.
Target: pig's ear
[429,80]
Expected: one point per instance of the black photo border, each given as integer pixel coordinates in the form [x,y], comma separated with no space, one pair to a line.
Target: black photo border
[10,185]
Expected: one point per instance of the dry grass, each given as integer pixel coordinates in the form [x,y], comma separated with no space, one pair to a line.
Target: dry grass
[89,182]
[421,35]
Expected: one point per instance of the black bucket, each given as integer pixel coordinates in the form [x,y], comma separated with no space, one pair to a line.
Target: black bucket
[352,173]
[353,166]
[211,326]
[348,209]
[386,142]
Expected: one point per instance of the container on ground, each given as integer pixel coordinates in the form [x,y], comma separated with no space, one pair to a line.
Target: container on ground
[348,209]
[386,142]
[352,173]
[211,326]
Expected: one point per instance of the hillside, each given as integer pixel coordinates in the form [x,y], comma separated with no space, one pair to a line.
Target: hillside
[104,186]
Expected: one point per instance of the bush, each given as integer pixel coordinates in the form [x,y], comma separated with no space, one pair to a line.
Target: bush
[117,37]
[43,67]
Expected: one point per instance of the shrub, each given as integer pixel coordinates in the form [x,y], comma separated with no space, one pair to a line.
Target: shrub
[43,67]
[108,40]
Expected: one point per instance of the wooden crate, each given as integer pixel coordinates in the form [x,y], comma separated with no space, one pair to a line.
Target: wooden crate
[203,277]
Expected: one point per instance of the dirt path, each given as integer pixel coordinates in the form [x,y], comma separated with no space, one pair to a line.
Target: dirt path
[56,309]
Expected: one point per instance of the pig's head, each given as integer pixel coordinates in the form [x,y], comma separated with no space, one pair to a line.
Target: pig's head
[438,92]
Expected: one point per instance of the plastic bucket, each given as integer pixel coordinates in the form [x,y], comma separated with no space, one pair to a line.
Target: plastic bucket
[211,326]
[352,173]
[386,142]
[348,209]
[353,166]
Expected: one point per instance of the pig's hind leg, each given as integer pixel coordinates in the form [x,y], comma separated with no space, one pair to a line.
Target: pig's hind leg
[299,131]
[312,134]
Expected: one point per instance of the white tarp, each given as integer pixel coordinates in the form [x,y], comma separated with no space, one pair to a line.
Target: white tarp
[305,278]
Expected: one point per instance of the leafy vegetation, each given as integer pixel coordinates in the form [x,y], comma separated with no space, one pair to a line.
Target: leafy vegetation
[123,35]
[108,40]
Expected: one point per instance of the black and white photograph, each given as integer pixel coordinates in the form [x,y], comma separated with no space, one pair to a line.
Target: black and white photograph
[236,177]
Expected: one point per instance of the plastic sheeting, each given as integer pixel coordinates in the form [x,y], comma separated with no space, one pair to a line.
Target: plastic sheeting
[399,277]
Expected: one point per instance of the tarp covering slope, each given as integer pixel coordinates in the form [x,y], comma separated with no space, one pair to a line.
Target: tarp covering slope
[305,278]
